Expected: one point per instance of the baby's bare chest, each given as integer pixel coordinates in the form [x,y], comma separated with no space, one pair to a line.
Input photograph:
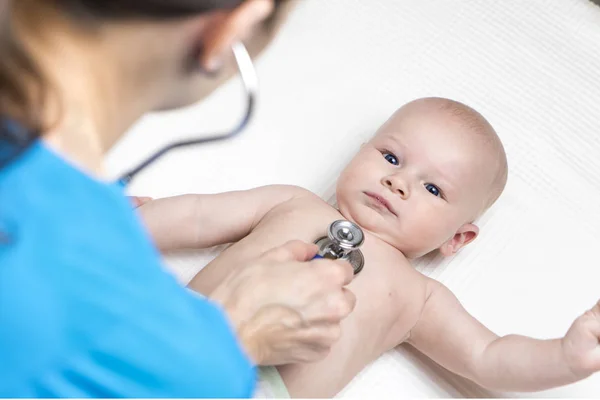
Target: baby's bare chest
[389,291]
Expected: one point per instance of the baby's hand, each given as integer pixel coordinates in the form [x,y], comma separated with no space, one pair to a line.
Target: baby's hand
[581,344]
[139,201]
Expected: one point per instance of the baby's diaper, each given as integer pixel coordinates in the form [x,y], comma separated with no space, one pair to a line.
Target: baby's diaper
[270,385]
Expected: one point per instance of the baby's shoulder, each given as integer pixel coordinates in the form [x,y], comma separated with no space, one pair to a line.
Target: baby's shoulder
[300,205]
[287,193]
[296,197]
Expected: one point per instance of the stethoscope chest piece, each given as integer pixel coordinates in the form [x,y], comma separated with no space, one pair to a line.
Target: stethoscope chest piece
[342,243]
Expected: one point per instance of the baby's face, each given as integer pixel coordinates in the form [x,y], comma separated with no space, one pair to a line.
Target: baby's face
[418,182]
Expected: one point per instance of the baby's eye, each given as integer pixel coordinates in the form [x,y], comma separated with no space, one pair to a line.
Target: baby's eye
[434,190]
[392,159]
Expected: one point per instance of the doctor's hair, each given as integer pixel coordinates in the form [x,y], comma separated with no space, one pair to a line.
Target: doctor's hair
[24,90]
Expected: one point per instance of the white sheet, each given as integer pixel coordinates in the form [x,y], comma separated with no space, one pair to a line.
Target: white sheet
[336,72]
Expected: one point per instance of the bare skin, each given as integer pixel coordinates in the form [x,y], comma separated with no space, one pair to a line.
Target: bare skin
[390,294]
[416,187]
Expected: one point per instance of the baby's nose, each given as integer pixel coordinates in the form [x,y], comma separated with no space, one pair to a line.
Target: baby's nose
[397,186]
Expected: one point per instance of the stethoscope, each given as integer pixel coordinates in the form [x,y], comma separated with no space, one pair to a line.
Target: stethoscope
[342,243]
[343,237]
[250,82]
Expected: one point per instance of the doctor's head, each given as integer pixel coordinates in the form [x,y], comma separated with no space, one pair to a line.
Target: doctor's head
[132,56]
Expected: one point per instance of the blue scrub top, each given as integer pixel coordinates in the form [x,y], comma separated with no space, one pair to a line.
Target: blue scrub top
[87,309]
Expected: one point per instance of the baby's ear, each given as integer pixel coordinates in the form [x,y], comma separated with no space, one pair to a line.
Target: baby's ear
[465,235]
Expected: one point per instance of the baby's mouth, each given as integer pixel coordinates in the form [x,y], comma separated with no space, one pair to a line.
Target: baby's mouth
[382,202]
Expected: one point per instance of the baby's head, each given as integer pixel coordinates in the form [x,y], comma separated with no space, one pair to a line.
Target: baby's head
[427,174]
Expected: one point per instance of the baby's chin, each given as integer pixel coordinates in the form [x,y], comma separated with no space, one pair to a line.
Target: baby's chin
[377,225]
[360,215]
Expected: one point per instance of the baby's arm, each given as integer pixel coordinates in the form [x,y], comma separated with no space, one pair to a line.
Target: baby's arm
[457,341]
[206,220]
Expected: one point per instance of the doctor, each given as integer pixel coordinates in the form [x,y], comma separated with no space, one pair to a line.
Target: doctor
[86,309]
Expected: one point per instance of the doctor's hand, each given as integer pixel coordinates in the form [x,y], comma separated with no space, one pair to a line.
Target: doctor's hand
[286,308]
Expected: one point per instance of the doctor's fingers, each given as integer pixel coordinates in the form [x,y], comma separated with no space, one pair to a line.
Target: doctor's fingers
[329,307]
[336,272]
[315,342]
[294,250]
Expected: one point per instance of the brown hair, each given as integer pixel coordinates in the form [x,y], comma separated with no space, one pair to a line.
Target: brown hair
[23,88]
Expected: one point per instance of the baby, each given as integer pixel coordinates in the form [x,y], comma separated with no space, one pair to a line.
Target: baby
[418,186]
